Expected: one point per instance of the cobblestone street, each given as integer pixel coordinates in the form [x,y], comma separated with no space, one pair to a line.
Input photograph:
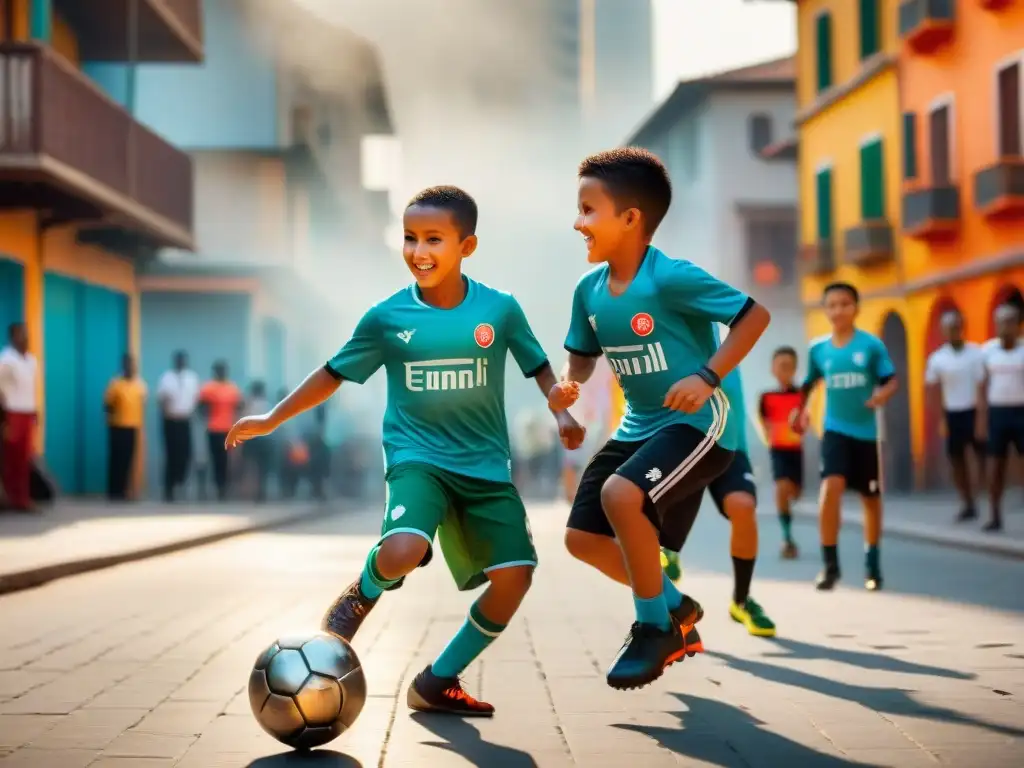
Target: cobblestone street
[145,665]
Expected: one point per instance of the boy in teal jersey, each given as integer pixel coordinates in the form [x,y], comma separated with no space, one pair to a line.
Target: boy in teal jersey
[735,496]
[653,318]
[443,342]
[859,378]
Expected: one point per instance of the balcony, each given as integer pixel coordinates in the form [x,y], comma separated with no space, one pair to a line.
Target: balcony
[67,148]
[999,189]
[817,258]
[932,214]
[869,243]
[927,24]
[168,30]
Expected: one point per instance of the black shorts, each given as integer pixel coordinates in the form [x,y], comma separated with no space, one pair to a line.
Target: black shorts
[738,478]
[960,431]
[852,459]
[672,467]
[788,464]
[1005,428]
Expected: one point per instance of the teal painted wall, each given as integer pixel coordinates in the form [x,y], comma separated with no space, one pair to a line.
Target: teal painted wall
[12,295]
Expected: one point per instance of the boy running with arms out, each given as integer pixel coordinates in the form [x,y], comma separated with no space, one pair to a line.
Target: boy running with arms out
[859,377]
[785,443]
[443,342]
[652,317]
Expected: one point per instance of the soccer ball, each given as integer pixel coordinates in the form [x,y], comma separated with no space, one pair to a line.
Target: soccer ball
[306,690]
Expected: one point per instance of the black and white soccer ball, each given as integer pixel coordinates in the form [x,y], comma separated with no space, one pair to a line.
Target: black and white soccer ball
[306,690]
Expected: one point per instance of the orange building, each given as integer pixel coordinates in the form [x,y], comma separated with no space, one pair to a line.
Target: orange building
[961,91]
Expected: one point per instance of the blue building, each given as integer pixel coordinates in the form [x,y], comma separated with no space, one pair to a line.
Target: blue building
[273,120]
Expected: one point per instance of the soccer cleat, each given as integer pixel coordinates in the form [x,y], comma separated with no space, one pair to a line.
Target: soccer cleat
[873,580]
[430,693]
[347,613]
[670,564]
[645,655]
[688,613]
[827,579]
[694,644]
[752,616]
[789,551]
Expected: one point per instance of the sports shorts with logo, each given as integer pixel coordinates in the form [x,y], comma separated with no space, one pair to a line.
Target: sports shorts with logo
[672,467]
[484,522]
[853,459]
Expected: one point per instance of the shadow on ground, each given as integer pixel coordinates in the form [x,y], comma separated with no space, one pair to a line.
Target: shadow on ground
[463,738]
[317,758]
[715,733]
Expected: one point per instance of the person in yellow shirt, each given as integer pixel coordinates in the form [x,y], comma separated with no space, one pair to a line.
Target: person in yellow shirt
[125,403]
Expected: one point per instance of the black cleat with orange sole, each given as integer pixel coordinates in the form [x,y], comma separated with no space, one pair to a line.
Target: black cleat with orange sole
[688,613]
[348,612]
[694,644]
[646,654]
[444,695]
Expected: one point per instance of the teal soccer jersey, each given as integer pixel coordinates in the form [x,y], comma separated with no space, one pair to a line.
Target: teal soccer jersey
[736,427]
[446,376]
[658,331]
[851,373]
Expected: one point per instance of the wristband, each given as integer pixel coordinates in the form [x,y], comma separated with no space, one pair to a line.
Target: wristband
[711,378]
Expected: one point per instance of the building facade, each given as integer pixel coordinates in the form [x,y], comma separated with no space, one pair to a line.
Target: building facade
[728,144]
[911,181]
[273,121]
[87,194]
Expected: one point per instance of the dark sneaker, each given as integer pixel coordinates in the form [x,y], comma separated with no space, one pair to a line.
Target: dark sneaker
[827,579]
[694,644]
[688,613]
[430,693]
[645,655]
[873,580]
[347,613]
[966,514]
[789,551]
[993,526]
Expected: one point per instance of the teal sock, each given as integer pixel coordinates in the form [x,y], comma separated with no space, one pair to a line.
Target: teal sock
[371,583]
[786,520]
[652,610]
[872,558]
[673,597]
[476,633]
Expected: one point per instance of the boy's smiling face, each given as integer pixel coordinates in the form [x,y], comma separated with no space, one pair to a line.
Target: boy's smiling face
[603,226]
[434,245]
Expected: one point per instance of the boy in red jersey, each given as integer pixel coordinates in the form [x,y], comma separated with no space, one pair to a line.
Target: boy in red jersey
[777,407]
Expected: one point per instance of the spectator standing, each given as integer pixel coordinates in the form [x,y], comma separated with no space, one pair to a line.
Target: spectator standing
[18,379]
[178,393]
[221,399]
[125,402]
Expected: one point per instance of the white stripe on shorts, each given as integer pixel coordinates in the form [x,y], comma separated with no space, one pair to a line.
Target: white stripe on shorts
[719,416]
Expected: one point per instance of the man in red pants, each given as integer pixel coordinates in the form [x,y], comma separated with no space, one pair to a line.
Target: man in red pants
[18,373]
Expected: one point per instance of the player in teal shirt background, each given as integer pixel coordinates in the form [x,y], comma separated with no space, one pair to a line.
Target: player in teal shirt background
[653,319]
[859,378]
[734,493]
[443,342]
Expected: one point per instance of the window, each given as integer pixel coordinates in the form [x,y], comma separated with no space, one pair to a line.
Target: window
[909,145]
[1008,87]
[771,243]
[868,28]
[872,180]
[684,150]
[760,132]
[823,39]
[823,196]
[939,147]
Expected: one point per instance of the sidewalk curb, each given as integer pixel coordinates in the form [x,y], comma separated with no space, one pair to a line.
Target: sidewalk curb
[895,530]
[36,577]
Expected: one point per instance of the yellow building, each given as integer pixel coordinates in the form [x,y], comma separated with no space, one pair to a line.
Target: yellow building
[86,192]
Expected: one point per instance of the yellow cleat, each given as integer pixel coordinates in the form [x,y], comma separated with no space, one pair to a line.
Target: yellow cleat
[752,616]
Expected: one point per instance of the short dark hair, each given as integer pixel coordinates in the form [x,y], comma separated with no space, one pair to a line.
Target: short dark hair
[784,350]
[14,327]
[459,203]
[635,178]
[841,286]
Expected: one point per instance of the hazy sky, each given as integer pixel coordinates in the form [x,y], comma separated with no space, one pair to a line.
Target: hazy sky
[693,37]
